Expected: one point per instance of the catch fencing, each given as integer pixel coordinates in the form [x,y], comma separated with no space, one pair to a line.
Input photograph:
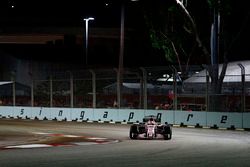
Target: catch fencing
[154,88]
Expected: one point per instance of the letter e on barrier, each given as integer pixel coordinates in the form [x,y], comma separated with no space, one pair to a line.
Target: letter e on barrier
[223,119]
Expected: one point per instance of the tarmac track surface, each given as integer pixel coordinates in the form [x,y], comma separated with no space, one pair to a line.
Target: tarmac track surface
[188,147]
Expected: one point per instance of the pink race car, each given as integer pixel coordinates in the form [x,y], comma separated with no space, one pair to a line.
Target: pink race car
[150,129]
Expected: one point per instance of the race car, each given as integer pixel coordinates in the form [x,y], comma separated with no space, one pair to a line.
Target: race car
[150,129]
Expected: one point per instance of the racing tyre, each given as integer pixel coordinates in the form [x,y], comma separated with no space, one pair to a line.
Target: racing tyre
[133,134]
[167,133]
[168,136]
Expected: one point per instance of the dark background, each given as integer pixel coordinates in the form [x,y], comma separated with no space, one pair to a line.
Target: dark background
[34,16]
[26,16]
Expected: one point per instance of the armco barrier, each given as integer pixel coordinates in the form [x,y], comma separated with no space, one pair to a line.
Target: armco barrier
[246,120]
[188,118]
[105,115]
[45,113]
[60,114]
[82,114]
[224,120]
[22,112]
[2,112]
[40,113]
[163,115]
[6,111]
[130,115]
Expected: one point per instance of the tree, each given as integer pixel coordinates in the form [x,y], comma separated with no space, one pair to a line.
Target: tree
[180,35]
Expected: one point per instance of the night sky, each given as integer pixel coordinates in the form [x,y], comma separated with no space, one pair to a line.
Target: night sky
[18,17]
[58,13]
[23,16]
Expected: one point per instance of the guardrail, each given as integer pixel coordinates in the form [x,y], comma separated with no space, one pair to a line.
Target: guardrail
[183,118]
[144,88]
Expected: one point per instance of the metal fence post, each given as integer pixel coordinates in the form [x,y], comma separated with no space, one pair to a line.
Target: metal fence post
[242,91]
[51,91]
[242,87]
[141,103]
[175,87]
[207,92]
[175,107]
[144,84]
[71,90]
[119,88]
[93,88]
[13,78]
[32,92]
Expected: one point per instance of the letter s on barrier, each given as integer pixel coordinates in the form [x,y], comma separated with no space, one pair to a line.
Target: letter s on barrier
[22,111]
[223,119]
[131,116]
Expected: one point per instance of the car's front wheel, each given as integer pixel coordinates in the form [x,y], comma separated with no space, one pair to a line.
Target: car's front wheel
[167,133]
[133,133]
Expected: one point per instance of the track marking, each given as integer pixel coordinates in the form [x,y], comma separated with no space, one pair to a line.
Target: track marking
[85,141]
[30,146]
[96,138]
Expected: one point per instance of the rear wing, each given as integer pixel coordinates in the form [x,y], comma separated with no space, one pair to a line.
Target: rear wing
[147,118]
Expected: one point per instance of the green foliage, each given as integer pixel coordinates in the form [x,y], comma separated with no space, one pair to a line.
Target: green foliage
[172,9]
[225,6]
[170,31]
[211,3]
[162,44]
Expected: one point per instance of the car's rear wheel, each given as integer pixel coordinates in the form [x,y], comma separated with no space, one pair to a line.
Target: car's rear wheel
[168,136]
[167,133]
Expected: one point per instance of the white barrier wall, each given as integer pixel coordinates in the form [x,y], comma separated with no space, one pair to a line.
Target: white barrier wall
[40,113]
[190,118]
[246,120]
[208,119]
[82,114]
[22,112]
[130,115]
[60,114]
[166,116]
[224,119]
[6,111]
[105,115]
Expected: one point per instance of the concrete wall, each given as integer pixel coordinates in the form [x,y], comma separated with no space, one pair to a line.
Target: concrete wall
[183,118]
